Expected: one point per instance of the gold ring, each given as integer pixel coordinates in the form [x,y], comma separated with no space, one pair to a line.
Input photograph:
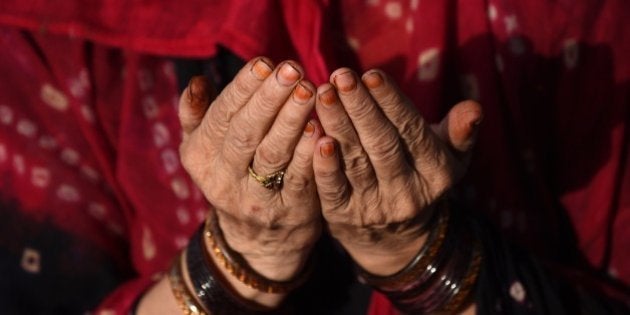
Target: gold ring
[270,181]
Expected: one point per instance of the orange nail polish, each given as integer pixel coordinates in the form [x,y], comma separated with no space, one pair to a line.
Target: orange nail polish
[287,74]
[327,149]
[200,92]
[328,97]
[345,81]
[261,69]
[309,129]
[373,80]
[302,94]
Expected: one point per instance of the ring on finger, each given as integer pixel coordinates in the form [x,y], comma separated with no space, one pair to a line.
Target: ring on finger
[270,181]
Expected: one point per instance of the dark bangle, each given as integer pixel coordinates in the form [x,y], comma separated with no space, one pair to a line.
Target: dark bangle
[211,288]
[442,275]
[421,267]
[239,268]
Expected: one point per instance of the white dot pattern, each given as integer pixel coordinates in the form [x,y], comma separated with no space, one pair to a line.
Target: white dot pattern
[393,10]
[517,292]
[428,64]
[54,98]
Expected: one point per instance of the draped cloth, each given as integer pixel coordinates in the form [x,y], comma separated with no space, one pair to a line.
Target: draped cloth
[89,131]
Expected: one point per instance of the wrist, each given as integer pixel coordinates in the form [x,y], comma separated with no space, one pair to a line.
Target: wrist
[277,254]
[387,261]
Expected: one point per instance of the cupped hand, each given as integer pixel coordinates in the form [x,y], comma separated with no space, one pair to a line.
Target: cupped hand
[381,168]
[261,119]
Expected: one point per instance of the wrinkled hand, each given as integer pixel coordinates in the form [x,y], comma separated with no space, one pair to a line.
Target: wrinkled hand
[261,118]
[380,168]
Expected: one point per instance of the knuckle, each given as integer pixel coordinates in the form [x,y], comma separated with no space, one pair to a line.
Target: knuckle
[326,176]
[242,85]
[288,125]
[392,101]
[334,198]
[265,103]
[385,148]
[242,140]
[271,157]
[357,164]
[363,110]
[339,124]
[412,130]
[302,160]
[297,183]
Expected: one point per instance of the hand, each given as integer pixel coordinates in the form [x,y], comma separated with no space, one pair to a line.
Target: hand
[380,168]
[260,119]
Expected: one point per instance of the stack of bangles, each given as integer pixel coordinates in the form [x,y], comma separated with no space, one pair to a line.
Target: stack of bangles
[211,292]
[439,279]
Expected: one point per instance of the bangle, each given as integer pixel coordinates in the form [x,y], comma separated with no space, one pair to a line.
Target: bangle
[421,267]
[213,290]
[461,298]
[186,302]
[239,268]
[441,277]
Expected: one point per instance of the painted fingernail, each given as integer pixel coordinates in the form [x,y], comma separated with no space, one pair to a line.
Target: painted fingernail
[200,91]
[327,149]
[309,129]
[328,97]
[345,81]
[302,94]
[261,69]
[287,74]
[373,79]
[474,118]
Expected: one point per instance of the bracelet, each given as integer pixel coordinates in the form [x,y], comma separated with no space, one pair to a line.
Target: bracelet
[467,284]
[449,289]
[186,302]
[421,267]
[239,268]
[211,288]
[441,277]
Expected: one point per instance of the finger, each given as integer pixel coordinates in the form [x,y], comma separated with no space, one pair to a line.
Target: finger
[412,128]
[277,147]
[460,126]
[235,95]
[194,102]
[248,127]
[332,184]
[378,136]
[337,124]
[299,177]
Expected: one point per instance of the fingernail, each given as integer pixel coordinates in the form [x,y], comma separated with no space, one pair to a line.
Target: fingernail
[345,81]
[309,129]
[474,118]
[327,149]
[287,74]
[302,94]
[328,97]
[373,79]
[261,69]
[200,91]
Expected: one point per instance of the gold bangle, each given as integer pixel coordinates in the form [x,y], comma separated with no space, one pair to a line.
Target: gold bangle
[239,268]
[186,301]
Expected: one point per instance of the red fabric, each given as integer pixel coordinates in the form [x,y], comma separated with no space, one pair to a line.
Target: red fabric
[553,77]
[89,142]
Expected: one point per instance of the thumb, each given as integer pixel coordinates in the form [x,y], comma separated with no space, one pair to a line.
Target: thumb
[194,102]
[460,126]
